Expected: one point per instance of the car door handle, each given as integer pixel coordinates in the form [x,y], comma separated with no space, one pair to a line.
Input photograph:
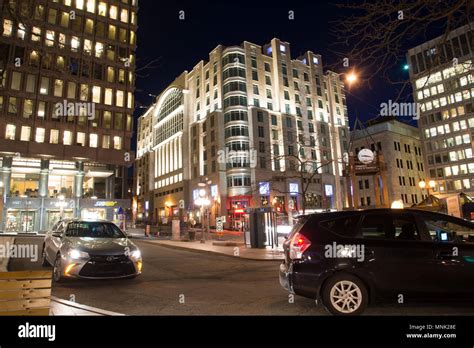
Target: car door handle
[445,255]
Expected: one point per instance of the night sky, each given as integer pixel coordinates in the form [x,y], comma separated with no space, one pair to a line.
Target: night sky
[179,45]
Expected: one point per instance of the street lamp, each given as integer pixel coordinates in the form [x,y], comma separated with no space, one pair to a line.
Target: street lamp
[430,185]
[351,78]
[203,201]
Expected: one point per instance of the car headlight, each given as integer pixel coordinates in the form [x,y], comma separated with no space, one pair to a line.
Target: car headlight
[136,255]
[77,254]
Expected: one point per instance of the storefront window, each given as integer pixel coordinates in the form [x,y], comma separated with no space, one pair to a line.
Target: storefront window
[20,221]
[60,185]
[24,185]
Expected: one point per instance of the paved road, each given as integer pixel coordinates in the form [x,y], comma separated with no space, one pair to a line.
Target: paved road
[209,284]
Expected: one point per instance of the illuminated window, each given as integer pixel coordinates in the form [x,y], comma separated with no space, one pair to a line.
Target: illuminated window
[84,92]
[62,40]
[99,49]
[41,108]
[80,4]
[67,138]
[106,141]
[52,13]
[117,142]
[113,12]
[124,15]
[21,31]
[88,46]
[93,140]
[44,88]
[110,74]
[25,133]
[102,9]
[75,43]
[36,34]
[91,6]
[7,27]
[108,96]
[39,135]
[89,28]
[27,108]
[16,81]
[58,88]
[119,101]
[107,119]
[81,139]
[71,90]
[112,32]
[10,132]
[96,94]
[64,19]
[54,136]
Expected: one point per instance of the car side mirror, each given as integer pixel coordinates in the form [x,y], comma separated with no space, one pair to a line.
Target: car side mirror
[57,234]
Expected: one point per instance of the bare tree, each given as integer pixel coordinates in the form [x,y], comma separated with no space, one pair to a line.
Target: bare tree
[373,35]
[303,166]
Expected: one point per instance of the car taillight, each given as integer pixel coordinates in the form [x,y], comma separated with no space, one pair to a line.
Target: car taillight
[299,244]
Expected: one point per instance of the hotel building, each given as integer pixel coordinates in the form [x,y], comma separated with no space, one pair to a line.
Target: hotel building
[66,102]
[441,72]
[237,120]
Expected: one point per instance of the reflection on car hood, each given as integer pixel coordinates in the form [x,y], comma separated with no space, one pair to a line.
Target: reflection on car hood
[102,246]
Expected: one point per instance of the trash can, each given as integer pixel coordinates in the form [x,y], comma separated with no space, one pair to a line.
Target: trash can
[192,234]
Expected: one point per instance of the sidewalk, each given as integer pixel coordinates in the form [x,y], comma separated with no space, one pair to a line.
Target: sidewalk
[60,307]
[227,248]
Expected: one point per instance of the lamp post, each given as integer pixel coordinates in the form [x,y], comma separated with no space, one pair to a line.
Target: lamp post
[204,202]
[423,184]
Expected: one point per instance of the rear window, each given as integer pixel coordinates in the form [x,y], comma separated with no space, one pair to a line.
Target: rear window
[296,227]
[343,226]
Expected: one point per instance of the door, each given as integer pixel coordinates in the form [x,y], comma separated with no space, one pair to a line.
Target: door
[397,256]
[453,243]
[27,219]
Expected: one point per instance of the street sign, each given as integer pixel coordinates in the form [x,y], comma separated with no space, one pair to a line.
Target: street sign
[181,204]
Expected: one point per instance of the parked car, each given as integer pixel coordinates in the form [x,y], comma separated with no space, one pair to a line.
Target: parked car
[90,249]
[349,259]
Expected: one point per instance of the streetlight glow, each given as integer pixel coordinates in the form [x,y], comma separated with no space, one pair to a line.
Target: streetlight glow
[432,183]
[351,78]
[422,184]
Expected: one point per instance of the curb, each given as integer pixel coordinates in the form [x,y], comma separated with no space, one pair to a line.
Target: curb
[85,307]
[209,252]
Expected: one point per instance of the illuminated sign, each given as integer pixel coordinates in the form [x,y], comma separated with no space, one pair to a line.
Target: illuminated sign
[106,204]
[195,194]
[264,188]
[294,189]
[147,205]
[328,190]
[214,191]
[239,211]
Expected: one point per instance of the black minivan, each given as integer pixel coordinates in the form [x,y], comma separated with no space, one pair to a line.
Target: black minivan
[349,259]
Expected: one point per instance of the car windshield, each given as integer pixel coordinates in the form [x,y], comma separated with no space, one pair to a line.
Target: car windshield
[94,230]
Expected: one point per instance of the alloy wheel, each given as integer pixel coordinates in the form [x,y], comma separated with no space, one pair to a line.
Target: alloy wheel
[345,296]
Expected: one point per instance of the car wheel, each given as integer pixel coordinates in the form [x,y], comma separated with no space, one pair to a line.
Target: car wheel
[344,294]
[45,262]
[57,270]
